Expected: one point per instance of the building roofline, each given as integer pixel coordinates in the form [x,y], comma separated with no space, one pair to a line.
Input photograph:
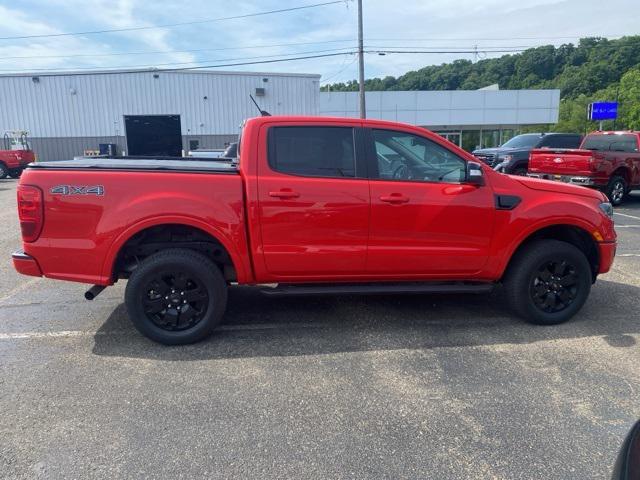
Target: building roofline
[53,73]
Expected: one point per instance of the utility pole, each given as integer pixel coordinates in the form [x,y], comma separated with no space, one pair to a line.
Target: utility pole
[363,110]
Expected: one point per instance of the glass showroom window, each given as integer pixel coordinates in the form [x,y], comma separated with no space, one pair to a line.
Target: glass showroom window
[470,140]
[490,138]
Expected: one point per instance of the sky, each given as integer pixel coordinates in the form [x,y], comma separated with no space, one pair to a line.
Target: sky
[460,25]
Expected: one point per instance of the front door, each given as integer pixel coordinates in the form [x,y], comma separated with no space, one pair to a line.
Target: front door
[425,221]
[314,203]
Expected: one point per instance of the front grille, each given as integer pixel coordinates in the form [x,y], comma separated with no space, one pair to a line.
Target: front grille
[488,158]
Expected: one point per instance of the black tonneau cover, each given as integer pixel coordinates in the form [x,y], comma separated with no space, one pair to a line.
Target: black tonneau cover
[147,164]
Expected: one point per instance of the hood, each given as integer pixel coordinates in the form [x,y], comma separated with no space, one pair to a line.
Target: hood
[501,150]
[558,187]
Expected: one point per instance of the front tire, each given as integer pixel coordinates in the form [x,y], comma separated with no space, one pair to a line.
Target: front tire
[616,190]
[15,173]
[176,297]
[548,282]
[4,171]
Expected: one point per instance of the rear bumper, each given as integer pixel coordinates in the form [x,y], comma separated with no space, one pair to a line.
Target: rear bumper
[607,254]
[26,264]
[575,179]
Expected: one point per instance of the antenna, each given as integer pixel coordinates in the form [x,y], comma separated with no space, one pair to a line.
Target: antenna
[264,113]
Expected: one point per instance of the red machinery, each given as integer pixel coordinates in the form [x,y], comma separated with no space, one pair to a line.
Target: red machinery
[16,153]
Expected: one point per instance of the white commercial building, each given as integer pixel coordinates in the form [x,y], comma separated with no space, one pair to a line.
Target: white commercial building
[145,112]
[152,112]
[469,118]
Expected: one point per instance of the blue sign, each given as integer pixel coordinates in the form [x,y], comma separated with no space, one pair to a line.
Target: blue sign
[603,110]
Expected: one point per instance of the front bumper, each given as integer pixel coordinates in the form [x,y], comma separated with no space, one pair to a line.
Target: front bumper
[26,264]
[575,179]
[607,254]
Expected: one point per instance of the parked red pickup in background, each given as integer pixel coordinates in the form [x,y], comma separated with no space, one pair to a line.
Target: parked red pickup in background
[609,161]
[315,205]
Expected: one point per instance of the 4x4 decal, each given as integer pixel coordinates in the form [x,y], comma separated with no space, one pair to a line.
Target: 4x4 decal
[77,190]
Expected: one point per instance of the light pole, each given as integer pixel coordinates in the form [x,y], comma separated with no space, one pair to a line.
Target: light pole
[363,110]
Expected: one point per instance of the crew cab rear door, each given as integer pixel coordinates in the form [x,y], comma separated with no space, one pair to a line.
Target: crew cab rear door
[313,199]
[425,221]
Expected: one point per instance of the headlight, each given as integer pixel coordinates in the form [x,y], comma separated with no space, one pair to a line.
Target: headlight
[507,158]
[607,209]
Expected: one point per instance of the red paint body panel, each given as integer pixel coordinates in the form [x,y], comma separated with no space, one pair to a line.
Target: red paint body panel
[286,228]
[598,166]
[14,159]
[26,265]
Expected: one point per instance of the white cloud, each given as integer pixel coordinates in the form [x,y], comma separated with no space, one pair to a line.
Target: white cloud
[442,23]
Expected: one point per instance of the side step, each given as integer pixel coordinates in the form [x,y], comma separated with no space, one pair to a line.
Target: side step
[376,288]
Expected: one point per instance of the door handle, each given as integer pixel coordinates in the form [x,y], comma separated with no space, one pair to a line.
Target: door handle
[284,194]
[394,198]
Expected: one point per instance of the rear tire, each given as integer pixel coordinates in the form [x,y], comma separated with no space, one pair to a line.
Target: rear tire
[15,173]
[176,297]
[4,171]
[521,172]
[548,282]
[616,190]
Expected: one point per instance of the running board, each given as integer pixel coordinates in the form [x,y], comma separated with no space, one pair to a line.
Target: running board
[376,288]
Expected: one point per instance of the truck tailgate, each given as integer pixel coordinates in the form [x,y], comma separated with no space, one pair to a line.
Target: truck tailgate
[561,161]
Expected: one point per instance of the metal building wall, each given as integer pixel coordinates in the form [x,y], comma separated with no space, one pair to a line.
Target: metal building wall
[450,108]
[67,114]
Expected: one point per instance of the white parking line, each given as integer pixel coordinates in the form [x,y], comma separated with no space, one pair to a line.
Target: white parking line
[626,215]
[627,254]
[223,328]
[64,333]
[627,226]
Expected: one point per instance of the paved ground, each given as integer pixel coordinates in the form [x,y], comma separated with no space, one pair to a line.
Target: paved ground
[355,387]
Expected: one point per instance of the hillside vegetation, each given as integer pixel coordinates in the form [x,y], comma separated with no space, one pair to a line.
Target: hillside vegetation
[596,69]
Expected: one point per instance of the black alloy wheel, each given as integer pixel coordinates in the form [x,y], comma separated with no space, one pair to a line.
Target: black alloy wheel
[175,301]
[176,296]
[554,286]
[548,281]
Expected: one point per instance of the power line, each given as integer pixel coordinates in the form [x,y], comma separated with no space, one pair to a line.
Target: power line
[83,72]
[160,65]
[164,52]
[170,25]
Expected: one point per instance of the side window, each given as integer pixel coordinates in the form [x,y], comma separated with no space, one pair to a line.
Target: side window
[403,156]
[312,151]
[572,141]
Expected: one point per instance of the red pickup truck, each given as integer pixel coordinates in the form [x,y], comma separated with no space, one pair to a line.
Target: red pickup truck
[314,205]
[609,161]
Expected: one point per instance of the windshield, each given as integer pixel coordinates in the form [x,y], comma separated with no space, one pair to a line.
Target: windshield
[620,143]
[523,141]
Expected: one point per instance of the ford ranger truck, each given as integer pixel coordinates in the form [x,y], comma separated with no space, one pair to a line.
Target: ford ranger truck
[608,161]
[311,206]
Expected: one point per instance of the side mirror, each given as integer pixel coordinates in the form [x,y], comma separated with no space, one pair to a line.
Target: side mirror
[475,175]
[627,466]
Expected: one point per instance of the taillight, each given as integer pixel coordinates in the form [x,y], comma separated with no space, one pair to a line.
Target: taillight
[30,212]
[592,164]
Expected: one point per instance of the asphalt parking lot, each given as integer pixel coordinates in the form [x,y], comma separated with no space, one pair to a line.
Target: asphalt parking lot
[349,387]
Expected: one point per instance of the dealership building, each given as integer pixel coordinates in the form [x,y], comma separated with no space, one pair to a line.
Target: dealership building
[149,112]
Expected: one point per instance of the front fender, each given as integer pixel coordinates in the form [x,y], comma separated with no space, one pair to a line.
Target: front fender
[515,227]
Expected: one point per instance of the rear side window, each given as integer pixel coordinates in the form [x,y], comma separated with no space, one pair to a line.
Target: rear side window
[615,143]
[561,141]
[312,151]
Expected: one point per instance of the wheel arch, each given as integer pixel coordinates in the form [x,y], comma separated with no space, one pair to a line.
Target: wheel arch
[203,232]
[623,171]
[573,234]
